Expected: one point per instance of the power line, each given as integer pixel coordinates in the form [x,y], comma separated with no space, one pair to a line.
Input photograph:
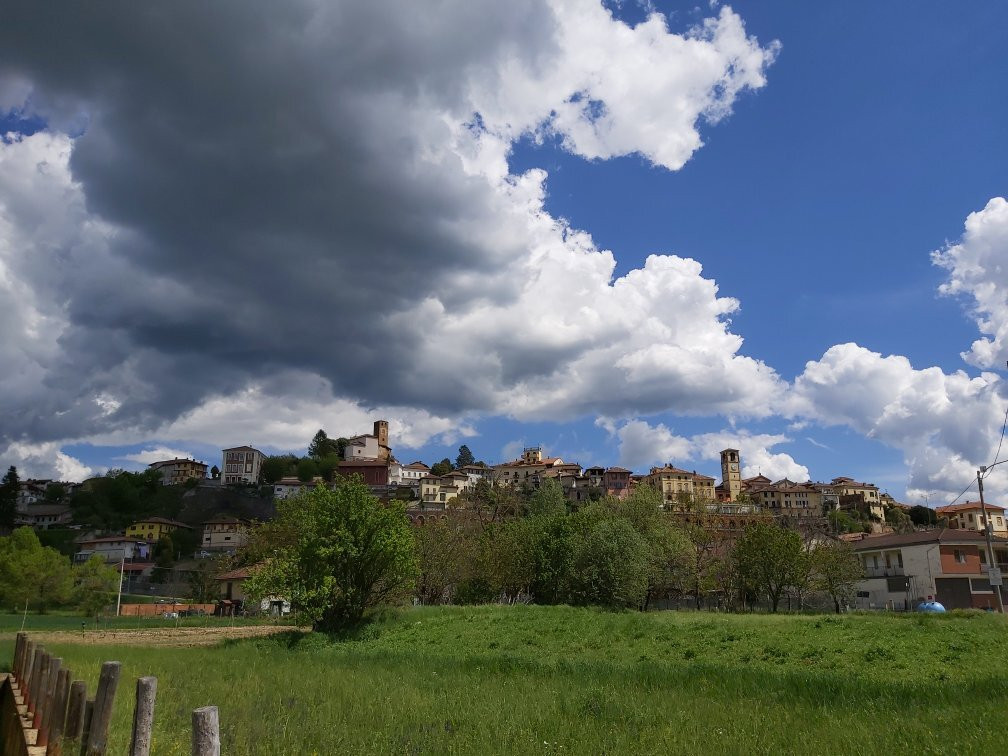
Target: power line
[1001,441]
[961,495]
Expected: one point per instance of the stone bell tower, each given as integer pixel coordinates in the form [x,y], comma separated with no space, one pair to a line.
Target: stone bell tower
[731,476]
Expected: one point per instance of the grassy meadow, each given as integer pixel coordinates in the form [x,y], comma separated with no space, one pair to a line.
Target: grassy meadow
[579,681]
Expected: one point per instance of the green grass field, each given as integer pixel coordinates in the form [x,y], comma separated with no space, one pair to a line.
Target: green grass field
[11,623]
[576,681]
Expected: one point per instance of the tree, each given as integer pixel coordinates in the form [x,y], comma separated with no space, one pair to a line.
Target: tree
[164,552]
[441,468]
[491,504]
[768,559]
[898,519]
[335,553]
[94,585]
[464,458]
[307,469]
[837,571]
[203,585]
[276,467]
[548,500]
[701,527]
[328,466]
[321,446]
[9,486]
[31,574]
[923,516]
[610,565]
[55,492]
[445,559]
[215,472]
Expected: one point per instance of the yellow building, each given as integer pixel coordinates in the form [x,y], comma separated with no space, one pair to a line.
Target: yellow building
[175,472]
[673,482]
[153,529]
[969,516]
[526,470]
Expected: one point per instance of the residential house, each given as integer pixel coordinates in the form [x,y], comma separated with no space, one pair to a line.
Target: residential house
[113,549]
[525,470]
[291,485]
[177,471]
[43,516]
[374,473]
[861,496]
[798,502]
[242,464]
[952,565]
[153,529]
[413,472]
[439,491]
[969,516]
[232,592]
[224,533]
[616,482]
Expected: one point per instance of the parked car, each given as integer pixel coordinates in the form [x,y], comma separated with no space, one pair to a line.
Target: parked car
[170,615]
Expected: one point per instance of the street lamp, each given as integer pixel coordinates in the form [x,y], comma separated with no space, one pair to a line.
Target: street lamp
[993,569]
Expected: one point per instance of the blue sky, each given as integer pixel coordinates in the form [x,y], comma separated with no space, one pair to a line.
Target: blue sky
[816,203]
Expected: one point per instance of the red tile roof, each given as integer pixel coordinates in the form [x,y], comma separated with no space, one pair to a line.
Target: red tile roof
[966,506]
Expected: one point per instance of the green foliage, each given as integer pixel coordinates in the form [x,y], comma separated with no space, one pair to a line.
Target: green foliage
[31,574]
[120,498]
[203,585]
[446,554]
[922,516]
[610,565]
[837,570]
[441,468]
[842,522]
[769,560]
[164,552]
[278,466]
[94,586]
[465,457]
[55,492]
[9,486]
[215,472]
[328,467]
[307,469]
[334,553]
[898,519]
[548,500]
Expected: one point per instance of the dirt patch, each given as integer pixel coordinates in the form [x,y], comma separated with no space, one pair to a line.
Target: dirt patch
[162,636]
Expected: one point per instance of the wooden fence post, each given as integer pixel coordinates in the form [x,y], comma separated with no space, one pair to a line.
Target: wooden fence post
[26,662]
[45,716]
[75,710]
[36,653]
[57,722]
[19,647]
[143,716]
[39,681]
[205,732]
[108,681]
[86,729]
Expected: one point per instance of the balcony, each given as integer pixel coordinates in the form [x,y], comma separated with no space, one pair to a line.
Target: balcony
[884,572]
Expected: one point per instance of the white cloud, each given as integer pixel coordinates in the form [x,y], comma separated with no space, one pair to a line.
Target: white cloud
[978,269]
[46,461]
[157,454]
[642,445]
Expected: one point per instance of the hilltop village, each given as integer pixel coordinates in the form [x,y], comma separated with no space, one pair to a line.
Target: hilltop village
[181,512]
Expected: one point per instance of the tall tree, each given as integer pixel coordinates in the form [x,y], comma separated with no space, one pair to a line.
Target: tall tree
[464,458]
[321,446]
[769,559]
[837,571]
[94,585]
[31,574]
[548,500]
[335,553]
[441,468]
[9,487]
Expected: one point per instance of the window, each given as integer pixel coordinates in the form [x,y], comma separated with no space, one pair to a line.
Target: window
[960,555]
[899,558]
[983,558]
[980,585]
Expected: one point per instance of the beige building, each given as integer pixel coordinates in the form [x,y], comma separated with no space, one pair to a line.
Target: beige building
[731,474]
[175,472]
[969,516]
[442,490]
[786,498]
[868,493]
[672,482]
[241,464]
[369,446]
[224,533]
[526,470]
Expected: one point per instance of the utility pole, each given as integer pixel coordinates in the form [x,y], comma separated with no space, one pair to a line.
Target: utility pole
[991,560]
[122,569]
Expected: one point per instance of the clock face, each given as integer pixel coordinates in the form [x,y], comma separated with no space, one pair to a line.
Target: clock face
[734,466]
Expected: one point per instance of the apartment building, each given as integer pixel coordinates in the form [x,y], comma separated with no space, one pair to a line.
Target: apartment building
[969,516]
[175,472]
[674,482]
[241,464]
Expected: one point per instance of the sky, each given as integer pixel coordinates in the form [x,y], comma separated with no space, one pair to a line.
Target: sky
[632,233]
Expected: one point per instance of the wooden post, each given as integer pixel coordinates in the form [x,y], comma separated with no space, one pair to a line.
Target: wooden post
[108,681]
[40,679]
[205,732]
[57,722]
[19,647]
[48,704]
[31,654]
[86,729]
[75,710]
[143,716]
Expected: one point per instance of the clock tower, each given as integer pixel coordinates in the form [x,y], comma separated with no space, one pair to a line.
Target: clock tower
[731,476]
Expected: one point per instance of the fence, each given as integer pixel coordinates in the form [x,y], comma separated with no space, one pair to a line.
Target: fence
[44,711]
[156,610]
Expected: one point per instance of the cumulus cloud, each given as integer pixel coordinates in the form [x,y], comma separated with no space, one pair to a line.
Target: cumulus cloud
[157,454]
[978,270]
[230,198]
[46,462]
[945,423]
[642,445]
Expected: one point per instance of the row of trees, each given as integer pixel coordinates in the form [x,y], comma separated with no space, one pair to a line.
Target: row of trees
[336,552]
[37,577]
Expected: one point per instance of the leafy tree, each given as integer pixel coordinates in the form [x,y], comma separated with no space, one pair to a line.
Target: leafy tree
[277,466]
[203,585]
[898,519]
[55,492]
[32,574]
[837,571]
[441,468]
[610,565]
[768,559]
[307,469]
[701,527]
[548,500]
[164,552]
[94,585]
[923,516]
[445,559]
[321,446]
[9,486]
[335,553]
[328,466]
[215,472]
[491,504]
[464,458]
